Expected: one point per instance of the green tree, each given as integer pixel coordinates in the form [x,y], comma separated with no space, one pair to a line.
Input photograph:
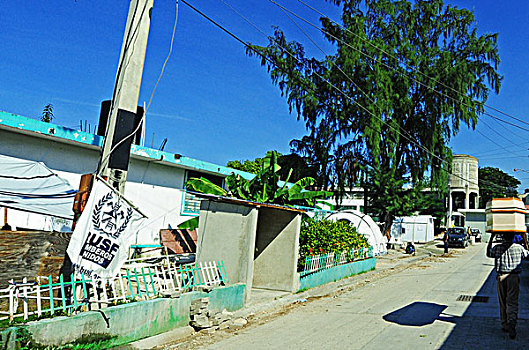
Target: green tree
[495,183]
[298,164]
[406,75]
[250,166]
[265,186]
[47,113]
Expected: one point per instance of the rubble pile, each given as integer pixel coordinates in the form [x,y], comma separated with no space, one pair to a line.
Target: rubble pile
[205,320]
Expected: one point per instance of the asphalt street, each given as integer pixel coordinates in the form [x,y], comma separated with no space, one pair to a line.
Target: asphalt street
[416,308]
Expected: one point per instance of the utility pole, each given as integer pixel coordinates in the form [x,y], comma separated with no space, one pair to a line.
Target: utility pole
[126,91]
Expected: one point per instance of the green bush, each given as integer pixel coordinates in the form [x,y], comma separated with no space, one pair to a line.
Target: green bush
[326,236]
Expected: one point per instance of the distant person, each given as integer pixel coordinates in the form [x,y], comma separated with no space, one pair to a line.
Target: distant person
[445,239]
[410,248]
[508,257]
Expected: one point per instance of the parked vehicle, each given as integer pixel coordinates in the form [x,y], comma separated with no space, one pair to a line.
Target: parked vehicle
[476,233]
[457,236]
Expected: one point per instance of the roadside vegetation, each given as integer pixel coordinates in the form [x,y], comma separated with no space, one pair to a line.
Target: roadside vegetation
[265,187]
[382,106]
[324,236]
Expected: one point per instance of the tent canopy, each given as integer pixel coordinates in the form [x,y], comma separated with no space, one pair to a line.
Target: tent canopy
[32,187]
[364,225]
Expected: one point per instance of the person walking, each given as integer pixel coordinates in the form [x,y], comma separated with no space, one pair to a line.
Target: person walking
[445,239]
[508,257]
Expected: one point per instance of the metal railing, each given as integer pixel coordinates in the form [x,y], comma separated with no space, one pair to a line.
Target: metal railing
[139,279]
[319,262]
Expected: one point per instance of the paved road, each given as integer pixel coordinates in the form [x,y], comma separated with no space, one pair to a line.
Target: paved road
[413,309]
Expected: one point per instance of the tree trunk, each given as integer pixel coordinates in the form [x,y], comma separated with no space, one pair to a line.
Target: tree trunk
[388,222]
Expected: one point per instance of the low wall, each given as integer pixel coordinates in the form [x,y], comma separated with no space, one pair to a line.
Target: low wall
[123,323]
[336,273]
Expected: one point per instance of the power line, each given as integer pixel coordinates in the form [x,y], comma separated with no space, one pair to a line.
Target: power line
[393,68]
[374,103]
[500,135]
[332,85]
[405,64]
[166,59]
[153,91]
[429,151]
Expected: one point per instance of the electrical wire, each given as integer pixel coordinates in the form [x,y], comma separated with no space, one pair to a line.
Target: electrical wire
[394,69]
[328,82]
[117,89]
[166,59]
[343,73]
[404,63]
[374,103]
[342,92]
[500,135]
[152,93]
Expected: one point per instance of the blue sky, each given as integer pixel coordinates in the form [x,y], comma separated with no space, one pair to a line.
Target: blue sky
[214,103]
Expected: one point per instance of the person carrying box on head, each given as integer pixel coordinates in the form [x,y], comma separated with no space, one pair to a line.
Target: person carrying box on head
[508,256]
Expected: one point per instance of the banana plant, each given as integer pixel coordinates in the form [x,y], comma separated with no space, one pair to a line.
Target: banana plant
[264,187]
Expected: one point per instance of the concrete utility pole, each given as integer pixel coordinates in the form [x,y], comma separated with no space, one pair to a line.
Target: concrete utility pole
[127,88]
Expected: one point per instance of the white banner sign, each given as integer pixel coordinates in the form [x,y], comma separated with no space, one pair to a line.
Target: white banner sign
[104,233]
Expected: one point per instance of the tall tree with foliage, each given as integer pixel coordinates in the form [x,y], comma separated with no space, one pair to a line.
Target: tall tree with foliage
[250,166]
[495,183]
[404,78]
[47,113]
[298,164]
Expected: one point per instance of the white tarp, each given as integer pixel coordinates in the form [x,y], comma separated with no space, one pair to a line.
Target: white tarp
[366,226]
[32,187]
[104,233]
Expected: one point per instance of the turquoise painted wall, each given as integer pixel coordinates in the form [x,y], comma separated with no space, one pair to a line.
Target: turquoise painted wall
[123,323]
[336,273]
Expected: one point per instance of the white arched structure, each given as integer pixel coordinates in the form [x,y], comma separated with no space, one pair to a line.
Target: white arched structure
[365,226]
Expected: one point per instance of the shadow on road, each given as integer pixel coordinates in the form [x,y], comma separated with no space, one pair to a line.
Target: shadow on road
[416,314]
[479,326]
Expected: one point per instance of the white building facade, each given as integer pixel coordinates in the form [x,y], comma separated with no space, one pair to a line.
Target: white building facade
[155,181]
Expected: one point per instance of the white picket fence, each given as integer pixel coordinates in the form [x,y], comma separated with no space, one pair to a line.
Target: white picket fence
[139,279]
[318,262]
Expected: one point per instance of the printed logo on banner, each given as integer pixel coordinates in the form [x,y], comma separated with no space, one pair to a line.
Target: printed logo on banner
[109,220]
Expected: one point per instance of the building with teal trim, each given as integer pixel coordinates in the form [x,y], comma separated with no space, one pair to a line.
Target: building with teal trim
[155,181]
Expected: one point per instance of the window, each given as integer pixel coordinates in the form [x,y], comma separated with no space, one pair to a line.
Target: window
[191,203]
[217,180]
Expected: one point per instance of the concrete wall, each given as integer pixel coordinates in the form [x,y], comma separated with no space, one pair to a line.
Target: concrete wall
[227,232]
[276,250]
[337,273]
[124,323]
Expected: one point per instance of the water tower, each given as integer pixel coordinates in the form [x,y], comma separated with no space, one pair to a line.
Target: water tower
[463,189]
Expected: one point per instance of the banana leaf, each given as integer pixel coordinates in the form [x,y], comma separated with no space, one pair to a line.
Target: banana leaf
[205,186]
[309,195]
[191,224]
[270,161]
[300,185]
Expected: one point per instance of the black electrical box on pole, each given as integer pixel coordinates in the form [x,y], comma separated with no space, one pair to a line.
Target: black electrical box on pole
[122,122]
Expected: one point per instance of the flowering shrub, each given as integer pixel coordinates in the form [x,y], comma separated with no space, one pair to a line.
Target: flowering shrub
[326,236]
